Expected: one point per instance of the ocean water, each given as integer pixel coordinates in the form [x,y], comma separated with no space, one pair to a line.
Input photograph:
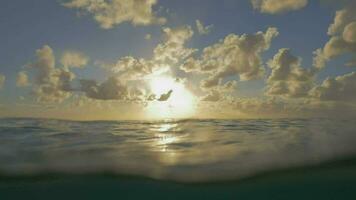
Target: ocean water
[186,157]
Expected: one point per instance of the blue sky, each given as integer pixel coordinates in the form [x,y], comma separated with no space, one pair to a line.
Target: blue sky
[28,25]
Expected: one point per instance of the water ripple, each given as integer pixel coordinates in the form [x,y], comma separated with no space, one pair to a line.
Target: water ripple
[186,150]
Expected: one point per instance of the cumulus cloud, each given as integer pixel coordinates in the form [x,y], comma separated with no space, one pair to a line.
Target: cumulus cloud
[349,34]
[172,50]
[22,79]
[134,68]
[351,63]
[51,83]
[210,82]
[288,78]
[109,13]
[213,95]
[166,55]
[343,37]
[74,59]
[273,107]
[342,18]
[110,89]
[148,36]
[56,84]
[341,88]
[220,92]
[203,30]
[256,106]
[165,97]
[151,97]
[137,94]
[278,6]
[233,56]
[2,80]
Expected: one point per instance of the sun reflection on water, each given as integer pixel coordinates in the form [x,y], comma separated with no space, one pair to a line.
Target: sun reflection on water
[165,135]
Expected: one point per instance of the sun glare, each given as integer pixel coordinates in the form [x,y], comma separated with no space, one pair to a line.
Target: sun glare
[180,103]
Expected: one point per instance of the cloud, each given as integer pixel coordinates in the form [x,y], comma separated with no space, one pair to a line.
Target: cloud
[110,89]
[56,83]
[137,95]
[148,36]
[349,34]
[288,78]
[341,88]
[342,18]
[273,107]
[165,97]
[172,50]
[278,6]
[351,63]
[210,82]
[2,81]
[110,13]
[131,68]
[220,92]
[213,95]
[22,79]
[201,66]
[256,106]
[74,59]
[166,55]
[235,55]
[52,84]
[151,97]
[336,46]
[203,30]
[343,37]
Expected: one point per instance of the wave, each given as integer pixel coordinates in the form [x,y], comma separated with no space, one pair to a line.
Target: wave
[188,151]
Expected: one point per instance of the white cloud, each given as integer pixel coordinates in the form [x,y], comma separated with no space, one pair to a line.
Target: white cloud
[210,82]
[51,83]
[233,56]
[278,6]
[351,63]
[74,59]
[341,88]
[131,68]
[288,78]
[56,83]
[203,30]
[172,50]
[342,18]
[218,91]
[110,89]
[22,79]
[148,36]
[213,95]
[343,37]
[165,56]
[110,13]
[349,34]
[259,107]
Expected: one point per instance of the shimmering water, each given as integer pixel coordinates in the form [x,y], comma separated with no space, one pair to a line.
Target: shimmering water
[186,150]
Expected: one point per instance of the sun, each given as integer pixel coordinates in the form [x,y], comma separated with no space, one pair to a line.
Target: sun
[179,104]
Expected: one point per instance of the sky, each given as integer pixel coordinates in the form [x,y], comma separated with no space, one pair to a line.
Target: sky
[158,59]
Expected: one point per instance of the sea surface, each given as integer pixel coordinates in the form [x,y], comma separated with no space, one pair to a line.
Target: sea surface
[178,159]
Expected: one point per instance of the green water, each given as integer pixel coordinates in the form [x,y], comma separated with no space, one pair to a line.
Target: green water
[331,181]
[187,159]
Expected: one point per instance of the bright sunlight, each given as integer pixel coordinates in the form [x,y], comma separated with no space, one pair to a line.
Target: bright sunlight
[180,102]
